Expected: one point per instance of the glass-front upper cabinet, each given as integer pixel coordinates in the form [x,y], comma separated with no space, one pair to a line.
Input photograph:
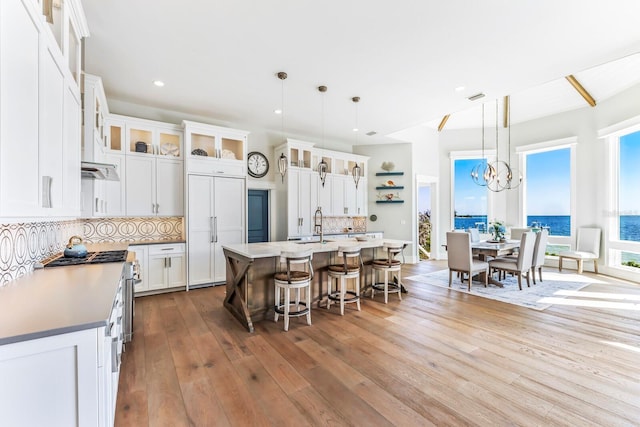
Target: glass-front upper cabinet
[145,137]
[215,149]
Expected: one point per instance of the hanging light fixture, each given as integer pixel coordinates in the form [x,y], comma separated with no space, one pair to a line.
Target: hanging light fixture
[498,175]
[356,172]
[282,160]
[322,166]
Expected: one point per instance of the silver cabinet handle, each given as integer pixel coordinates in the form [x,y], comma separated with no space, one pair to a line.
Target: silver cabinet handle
[167,249]
[211,227]
[169,262]
[97,205]
[215,228]
[165,262]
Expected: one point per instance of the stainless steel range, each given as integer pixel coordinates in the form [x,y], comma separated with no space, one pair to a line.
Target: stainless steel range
[131,275]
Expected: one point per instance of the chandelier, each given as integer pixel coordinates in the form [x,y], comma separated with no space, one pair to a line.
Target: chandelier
[498,175]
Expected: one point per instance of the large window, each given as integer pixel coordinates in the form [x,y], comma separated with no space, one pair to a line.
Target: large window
[548,191]
[469,199]
[628,212]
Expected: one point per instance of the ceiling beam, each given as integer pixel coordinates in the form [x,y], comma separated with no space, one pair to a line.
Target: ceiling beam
[443,122]
[505,112]
[581,90]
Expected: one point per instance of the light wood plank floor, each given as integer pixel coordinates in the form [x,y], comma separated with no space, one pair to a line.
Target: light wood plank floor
[438,357]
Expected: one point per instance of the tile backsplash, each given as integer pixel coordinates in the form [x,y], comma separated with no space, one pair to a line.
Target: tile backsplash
[23,244]
[339,224]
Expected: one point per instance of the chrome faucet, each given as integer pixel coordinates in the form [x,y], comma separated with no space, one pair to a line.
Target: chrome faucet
[317,223]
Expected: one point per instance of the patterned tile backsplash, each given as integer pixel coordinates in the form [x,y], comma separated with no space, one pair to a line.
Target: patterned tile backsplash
[23,244]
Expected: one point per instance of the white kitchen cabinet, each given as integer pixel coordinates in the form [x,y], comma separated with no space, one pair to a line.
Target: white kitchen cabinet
[215,150]
[37,106]
[147,137]
[154,186]
[162,266]
[114,192]
[216,215]
[69,379]
[347,199]
[302,201]
[166,266]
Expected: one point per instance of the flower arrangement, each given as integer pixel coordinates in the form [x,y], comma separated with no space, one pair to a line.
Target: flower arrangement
[497,230]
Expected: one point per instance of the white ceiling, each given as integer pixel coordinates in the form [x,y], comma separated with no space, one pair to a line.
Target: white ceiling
[405,58]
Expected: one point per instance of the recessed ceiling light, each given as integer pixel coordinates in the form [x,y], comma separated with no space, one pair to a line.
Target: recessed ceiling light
[158,83]
[459,88]
[355,129]
[277,111]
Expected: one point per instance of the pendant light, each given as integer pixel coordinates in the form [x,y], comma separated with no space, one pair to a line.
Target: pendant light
[282,160]
[322,166]
[481,174]
[356,172]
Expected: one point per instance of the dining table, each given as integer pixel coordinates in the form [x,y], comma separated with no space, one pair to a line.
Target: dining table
[493,249]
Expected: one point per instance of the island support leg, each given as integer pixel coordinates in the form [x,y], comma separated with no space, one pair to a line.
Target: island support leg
[235,300]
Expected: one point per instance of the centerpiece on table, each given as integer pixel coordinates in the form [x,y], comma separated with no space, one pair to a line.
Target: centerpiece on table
[497,230]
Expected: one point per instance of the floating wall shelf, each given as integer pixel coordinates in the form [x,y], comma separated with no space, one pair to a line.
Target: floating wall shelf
[389,201]
[395,187]
[389,173]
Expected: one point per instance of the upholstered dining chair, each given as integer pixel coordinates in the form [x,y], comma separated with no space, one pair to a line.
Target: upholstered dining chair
[522,265]
[516,233]
[587,249]
[539,253]
[475,234]
[460,258]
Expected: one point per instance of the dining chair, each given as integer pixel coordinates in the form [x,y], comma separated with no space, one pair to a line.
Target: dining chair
[522,265]
[539,253]
[587,249]
[460,258]
[475,234]
[516,233]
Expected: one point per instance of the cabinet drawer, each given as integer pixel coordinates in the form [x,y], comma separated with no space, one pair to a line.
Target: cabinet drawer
[177,248]
[216,166]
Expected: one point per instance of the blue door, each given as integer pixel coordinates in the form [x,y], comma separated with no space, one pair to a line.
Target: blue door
[258,216]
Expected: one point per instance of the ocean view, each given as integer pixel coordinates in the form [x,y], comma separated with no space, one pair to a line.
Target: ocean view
[559,225]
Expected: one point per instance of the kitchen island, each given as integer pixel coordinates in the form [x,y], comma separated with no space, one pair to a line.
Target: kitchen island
[251,266]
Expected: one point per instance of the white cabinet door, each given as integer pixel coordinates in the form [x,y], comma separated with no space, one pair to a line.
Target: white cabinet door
[293,203]
[361,198]
[200,229]
[324,193]
[19,52]
[216,216]
[176,273]
[305,203]
[229,219]
[141,184]
[114,191]
[338,196]
[169,187]
[71,149]
[142,255]
[157,272]
[52,94]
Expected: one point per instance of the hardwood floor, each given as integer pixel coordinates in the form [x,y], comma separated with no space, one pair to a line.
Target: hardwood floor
[438,357]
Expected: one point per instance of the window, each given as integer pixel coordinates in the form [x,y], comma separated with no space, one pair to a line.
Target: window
[548,190]
[469,199]
[628,209]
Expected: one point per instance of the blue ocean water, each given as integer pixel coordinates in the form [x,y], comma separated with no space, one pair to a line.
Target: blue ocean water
[559,225]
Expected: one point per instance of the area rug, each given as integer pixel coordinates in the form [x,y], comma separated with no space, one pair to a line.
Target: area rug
[538,296]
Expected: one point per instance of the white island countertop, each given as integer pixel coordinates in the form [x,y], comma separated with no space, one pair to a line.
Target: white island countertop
[271,249]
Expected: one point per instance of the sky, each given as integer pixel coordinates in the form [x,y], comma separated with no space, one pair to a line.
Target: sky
[470,198]
[629,196]
[424,198]
[548,183]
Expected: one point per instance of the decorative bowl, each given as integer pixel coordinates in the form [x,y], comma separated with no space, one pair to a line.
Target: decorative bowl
[199,152]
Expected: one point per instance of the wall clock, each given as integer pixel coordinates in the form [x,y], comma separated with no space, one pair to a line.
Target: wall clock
[257,164]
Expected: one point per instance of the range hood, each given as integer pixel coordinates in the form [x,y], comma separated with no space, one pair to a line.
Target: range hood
[104,171]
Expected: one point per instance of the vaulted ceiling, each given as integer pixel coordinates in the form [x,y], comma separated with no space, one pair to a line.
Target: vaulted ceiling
[405,59]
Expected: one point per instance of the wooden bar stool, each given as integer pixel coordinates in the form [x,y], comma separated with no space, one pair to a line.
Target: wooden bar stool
[293,279]
[349,269]
[387,267]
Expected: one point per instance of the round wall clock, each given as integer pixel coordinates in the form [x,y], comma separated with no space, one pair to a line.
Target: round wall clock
[257,164]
